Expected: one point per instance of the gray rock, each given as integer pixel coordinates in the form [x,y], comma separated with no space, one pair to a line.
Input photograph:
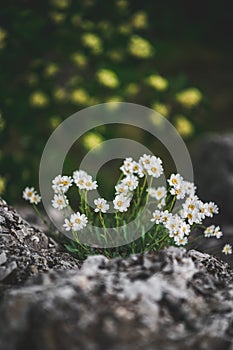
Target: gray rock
[25,250]
[168,300]
[213,168]
[171,299]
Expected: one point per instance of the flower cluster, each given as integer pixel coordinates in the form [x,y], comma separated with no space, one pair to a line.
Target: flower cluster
[29,194]
[176,208]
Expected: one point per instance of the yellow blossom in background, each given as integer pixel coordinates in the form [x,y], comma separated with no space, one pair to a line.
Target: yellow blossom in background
[76,20]
[157,82]
[32,79]
[93,42]
[116,55]
[59,94]
[80,97]
[2,122]
[87,25]
[113,99]
[184,126]
[132,89]
[140,47]
[189,98]
[61,4]
[2,185]
[140,20]
[122,4]
[79,59]
[125,29]
[105,26]
[3,35]
[92,140]
[55,121]
[108,78]
[38,99]
[51,69]
[57,17]
[161,109]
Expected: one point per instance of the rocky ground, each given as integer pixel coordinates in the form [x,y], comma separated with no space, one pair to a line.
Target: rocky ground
[168,300]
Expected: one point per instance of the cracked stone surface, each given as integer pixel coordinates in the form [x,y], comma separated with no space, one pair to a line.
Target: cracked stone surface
[25,250]
[168,300]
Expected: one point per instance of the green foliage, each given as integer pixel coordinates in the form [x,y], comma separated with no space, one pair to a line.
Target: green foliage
[60,56]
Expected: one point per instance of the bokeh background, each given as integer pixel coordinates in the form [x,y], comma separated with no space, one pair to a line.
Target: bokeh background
[59,56]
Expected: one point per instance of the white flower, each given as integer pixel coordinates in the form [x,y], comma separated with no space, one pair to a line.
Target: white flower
[175,180]
[227,249]
[217,232]
[190,188]
[28,193]
[179,192]
[147,161]
[155,167]
[35,199]
[121,202]
[60,201]
[162,203]
[80,177]
[157,193]
[173,225]
[101,205]
[89,184]
[203,209]
[79,221]
[156,217]
[61,184]
[121,188]
[131,182]
[181,240]
[209,231]
[68,225]
[127,167]
[185,228]
[211,209]
[138,169]
[193,217]
[165,215]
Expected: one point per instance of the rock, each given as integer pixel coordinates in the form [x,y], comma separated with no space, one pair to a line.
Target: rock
[213,169]
[170,299]
[25,250]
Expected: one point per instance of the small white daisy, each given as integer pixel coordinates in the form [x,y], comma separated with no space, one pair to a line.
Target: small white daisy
[156,217]
[227,249]
[211,209]
[217,232]
[121,203]
[68,225]
[131,182]
[127,167]
[175,180]
[101,205]
[80,177]
[60,201]
[180,240]
[35,199]
[28,193]
[79,221]
[61,184]
[121,188]
[209,231]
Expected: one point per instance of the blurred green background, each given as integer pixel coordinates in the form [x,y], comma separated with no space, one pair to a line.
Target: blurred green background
[59,56]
